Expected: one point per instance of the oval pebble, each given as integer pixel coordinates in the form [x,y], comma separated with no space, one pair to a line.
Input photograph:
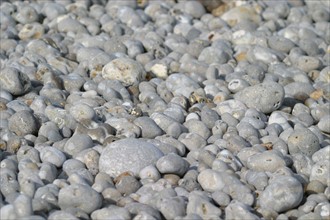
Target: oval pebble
[172,164]
[128,155]
[23,122]
[266,97]
[272,197]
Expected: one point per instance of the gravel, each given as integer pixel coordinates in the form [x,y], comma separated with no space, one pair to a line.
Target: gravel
[164,109]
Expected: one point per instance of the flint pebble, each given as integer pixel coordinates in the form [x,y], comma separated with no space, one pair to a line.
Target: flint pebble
[128,155]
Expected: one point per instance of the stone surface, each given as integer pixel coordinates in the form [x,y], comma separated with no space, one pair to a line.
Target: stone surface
[128,155]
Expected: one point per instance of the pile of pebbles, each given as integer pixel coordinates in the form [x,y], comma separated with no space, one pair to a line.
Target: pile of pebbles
[164,109]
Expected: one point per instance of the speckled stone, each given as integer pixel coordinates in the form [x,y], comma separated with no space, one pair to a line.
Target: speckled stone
[272,197]
[266,97]
[128,155]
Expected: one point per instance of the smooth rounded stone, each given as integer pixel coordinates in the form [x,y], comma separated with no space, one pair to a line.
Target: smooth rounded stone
[265,97]
[315,187]
[324,124]
[57,215]
[320,171]
[23,206]
[172,207]
[303,141]
[90,158]
[82,112]
[33,30]
[181,148]
[322,209]
[26,14]
[72,165]
[194,8]
[222,199]
[239,14]
[280,43]
[172,164]
[237,85]
[198,127]
[50,131]
[79,196]
[266,161]
[69,25]
[322,154]
[180,84]
[302,164]
[53,156]
[299,90]
[138,208]
[233,107]
[246,130]
[150,172]
[258,179]
[165,148]
[102,181]
[14,81]
[127,184]
[239,210]
[176,113]
[126,70]
[124,127]
[308,63]
[128,155]
[211,180]
[149,129]
[23,123]
[272,196]
[168,124]
[211,55]
[28,152]
[8,212]
[77,143]
[201,205]
[111,212]
[192,141]
[48,172]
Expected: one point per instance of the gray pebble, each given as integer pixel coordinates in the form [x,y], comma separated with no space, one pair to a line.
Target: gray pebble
[267,97]
[72,165]
[198,127]
[266,161]
[52,155]
[23,122]
[221,198]
[202,206]
[57,215]
[113,157]
[8,212]
[127,184]
[133,73]
[77,143]
[239,210]
[149,129]
[324,124]
[303,141]
[320,171]
[192,141]
[14,81]
[26,14]
[172,164]
[48,172]
[172,207]
[271,196]
[90,158]
[23,206]
[111,212]
[322,154]
[139,208]
[72,197]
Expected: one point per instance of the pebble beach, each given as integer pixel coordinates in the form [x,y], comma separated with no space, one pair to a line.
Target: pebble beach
[164,109]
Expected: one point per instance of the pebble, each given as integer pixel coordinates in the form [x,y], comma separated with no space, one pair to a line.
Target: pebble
[72,197]
[174,110]
[272,198]
[128,155]
[266,97]
[23,122]
[172,164]
[126,70]
[268,161]
[303,141]
[14,81]
[53,156]
[111,212]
